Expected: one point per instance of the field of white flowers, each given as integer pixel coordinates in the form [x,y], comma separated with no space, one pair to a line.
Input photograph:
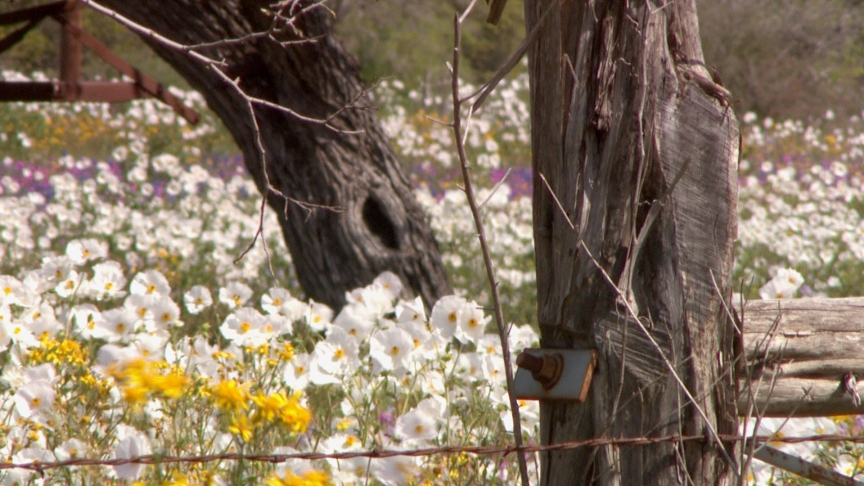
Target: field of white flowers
[128,325]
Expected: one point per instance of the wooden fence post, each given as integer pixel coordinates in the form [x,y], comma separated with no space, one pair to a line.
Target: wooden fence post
[635,156]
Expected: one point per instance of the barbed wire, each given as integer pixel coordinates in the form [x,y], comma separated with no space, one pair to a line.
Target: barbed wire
[41,467]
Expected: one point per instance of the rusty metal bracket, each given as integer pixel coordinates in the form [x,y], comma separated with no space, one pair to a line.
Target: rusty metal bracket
[554,374]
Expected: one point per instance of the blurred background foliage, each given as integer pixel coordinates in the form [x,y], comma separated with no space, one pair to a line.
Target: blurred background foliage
[787,58]
[779,58]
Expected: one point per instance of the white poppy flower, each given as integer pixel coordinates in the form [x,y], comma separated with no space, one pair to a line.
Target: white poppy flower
[135,444]
[243,327]
[356,320]
[150,282]
[235,294]
[197,299]
[472,323]
[446,315]
[318,316]
[34,397]
[390,349]
[108,280]
[84,250]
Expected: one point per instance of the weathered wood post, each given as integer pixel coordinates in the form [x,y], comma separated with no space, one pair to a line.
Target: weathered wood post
[640,149]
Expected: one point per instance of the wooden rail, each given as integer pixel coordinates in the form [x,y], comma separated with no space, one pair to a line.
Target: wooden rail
[804,356]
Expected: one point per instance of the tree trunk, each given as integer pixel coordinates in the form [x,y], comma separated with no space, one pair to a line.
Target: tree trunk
[375,223]
[622,106]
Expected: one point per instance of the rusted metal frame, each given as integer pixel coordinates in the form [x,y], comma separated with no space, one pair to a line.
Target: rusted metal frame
[16,36]
[109,91]
[32,15]
[38,12]
[27,91]
[68,14]
[71,51]
[148,84]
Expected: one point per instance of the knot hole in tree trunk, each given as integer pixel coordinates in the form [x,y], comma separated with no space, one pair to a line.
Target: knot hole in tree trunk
[379,223]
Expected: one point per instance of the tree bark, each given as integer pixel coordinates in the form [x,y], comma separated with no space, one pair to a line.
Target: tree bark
[375,223]
[622,106]
[800,353]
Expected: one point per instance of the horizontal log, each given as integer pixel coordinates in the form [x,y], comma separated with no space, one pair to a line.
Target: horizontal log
[800,353]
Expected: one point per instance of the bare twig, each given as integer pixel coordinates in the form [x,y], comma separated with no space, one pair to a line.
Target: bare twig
[487,88]
[150,33]
[557,202]
[279,24]
[487,259]
[496,187]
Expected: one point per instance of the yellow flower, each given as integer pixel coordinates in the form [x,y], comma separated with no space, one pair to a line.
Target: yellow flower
[141,378]
[279,407]
[269,406]
[177,479]
[58,352]
[135,395]
[240,426]
[230,396]
[309,478]
[173,385]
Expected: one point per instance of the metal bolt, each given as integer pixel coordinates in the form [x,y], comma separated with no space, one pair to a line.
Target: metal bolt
[546,369]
